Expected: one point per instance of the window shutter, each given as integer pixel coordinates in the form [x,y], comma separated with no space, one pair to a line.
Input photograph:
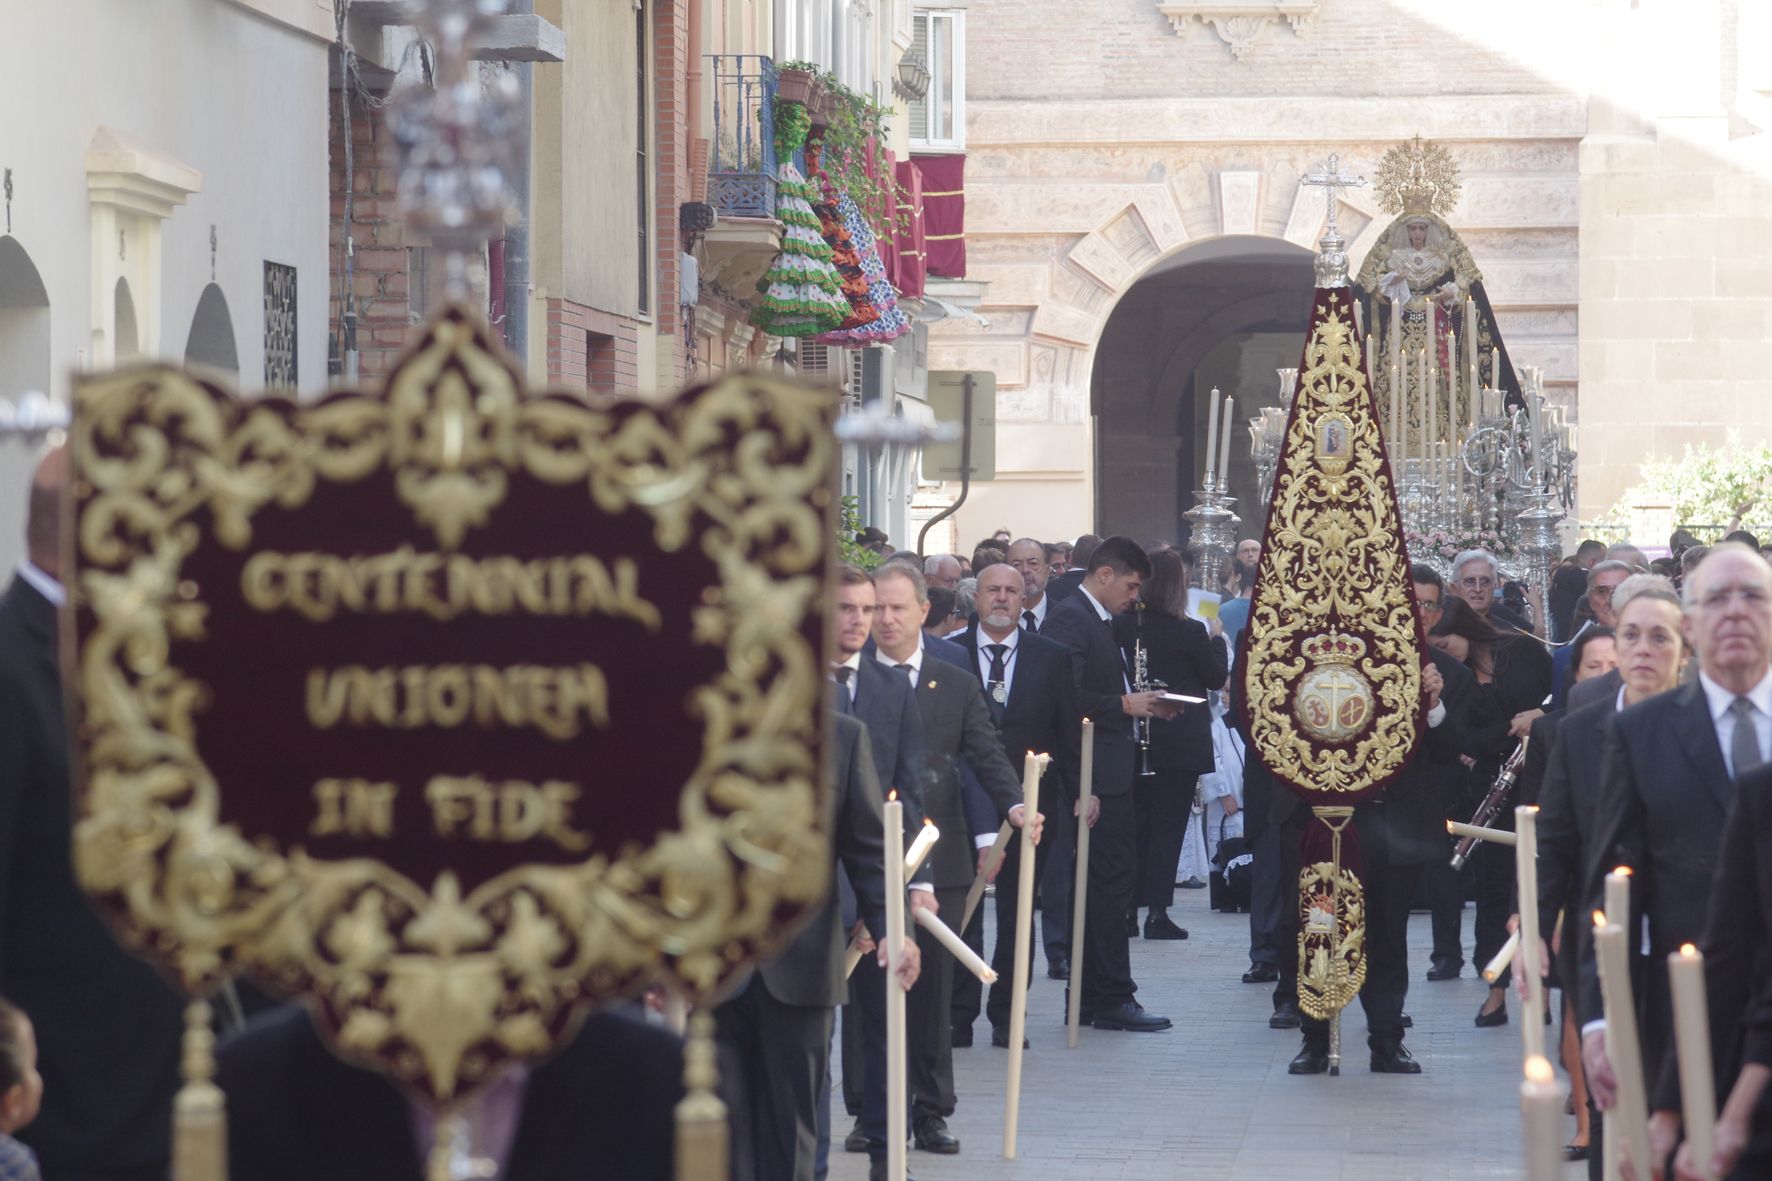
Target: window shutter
[920,47]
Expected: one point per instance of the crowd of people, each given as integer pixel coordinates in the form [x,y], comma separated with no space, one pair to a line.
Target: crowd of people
[1644,698]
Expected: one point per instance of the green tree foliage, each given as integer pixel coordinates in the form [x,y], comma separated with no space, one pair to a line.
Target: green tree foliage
[849,526]
[1726,488]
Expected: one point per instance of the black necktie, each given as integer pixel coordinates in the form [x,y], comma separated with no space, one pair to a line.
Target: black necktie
[845,703]
[909,672]
[1028,621]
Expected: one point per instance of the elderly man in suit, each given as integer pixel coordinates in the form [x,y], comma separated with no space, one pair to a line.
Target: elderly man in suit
[779,1025]
[957,731]
[108,1026]
[1666,786]
[1027,686]
[1084,624]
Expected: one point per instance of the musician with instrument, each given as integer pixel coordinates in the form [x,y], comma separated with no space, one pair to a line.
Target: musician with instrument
[1513,672]
[1171,652]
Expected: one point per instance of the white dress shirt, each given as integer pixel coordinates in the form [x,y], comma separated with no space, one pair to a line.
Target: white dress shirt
[43,583]
[1039,609]
[1107,617]
[1723,718]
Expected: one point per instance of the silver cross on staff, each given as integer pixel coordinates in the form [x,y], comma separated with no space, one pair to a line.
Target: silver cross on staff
[1331,180]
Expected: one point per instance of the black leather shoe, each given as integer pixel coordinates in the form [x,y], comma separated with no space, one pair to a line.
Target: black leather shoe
[1130,1017]
[1444,970]
[1158,925]
[1574,1152]
[1058,969]
[1408,1023]
[962,1037]
[1261,974]
[1313,1058]
[1000,1037]
[932,1135]
[1498,1017]
[1393,1060]
[856,1140]
[1286,1015]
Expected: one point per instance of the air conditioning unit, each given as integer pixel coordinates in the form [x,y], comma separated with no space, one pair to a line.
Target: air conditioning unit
[874,368]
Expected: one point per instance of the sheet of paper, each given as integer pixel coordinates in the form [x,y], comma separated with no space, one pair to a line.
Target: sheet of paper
[1201,604]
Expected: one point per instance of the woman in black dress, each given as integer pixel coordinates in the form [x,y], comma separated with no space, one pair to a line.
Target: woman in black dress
[1515,671]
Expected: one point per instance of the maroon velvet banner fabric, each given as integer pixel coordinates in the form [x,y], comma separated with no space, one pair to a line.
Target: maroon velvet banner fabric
[944,213]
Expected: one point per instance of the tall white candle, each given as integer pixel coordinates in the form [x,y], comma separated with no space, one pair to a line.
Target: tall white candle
[1224,440]
[1541,1108]
[1421,400]
[1212,435]
[1471,331]
[913,858]
[1612,951]
[1080,888]
[1452,368]
[1396,349]
[1032,767]
[1396,436]
[895,1040]
[944,934]
[1618,897]
[1531,951]
[1698,1094]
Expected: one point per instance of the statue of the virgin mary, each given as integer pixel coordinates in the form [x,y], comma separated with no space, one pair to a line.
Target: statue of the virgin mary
[1420,286]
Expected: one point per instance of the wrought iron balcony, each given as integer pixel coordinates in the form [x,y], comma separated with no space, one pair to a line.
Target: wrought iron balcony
[741,180]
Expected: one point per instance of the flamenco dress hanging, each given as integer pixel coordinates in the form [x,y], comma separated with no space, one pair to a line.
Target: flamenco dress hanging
[874,315]
[801,292]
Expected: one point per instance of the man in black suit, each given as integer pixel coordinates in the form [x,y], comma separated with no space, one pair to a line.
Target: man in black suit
[599,1110]
[779,1025]
[1084,624]
[1027,686]
[1666,784]
[108,1026]
[957,731]
[884,702]
[1065,585]
[1401,829]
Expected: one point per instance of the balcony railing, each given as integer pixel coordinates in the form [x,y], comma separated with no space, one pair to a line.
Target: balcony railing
[741,181]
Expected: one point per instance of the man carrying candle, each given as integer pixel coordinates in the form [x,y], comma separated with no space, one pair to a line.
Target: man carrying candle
[778,1026]
[1084,623]
[1738,994]
[1666,789]
[1027,686]
[957,731]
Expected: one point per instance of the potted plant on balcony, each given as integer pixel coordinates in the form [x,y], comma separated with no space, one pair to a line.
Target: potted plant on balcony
[795,81]
[825,98]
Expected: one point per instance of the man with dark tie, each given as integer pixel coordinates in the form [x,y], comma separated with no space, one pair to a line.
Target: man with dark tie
[883,701]
[1666,785]
[1028,559]
[779,1025]
[957,731]
[1027,687]
[1084,624]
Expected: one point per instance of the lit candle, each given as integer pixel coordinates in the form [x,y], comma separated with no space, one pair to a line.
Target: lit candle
[1498,836]
[920,847]
[895,1042]
[1493,970]
[1451,379]
[1212,435]
[1430,424]
[1618,897]
[944,935]
[1495,368]
[1396,435]
[1471,330]
[1541,1107]
[1032,767]
[1531,950]
[1421,397]
[1612,952]
[1396,337]
[1224,440]
[1080,887]
[1698,1095]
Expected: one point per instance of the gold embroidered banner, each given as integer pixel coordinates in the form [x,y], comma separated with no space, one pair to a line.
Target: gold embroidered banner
[1331,672]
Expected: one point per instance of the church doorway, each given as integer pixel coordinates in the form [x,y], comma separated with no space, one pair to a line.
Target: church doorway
[1225,313]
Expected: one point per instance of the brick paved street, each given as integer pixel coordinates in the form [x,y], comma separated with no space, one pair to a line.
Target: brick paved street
[1212,1099]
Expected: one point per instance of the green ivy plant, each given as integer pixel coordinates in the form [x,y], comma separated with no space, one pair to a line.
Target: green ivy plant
[856,122]
[849,526]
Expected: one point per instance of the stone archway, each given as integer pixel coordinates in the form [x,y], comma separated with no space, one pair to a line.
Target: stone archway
[24,367]
[211,340]
[1223,315]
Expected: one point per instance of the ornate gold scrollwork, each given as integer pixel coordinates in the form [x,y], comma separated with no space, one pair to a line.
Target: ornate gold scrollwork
[435,982]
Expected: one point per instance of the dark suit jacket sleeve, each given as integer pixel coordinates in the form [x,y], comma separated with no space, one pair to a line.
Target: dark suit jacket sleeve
[1559,841]
[1618,840]
[982,750]
[1734,933]
[1464,708]
[1063,626]
[908,775]
[1068,721]
[860,833]
[1537,764]
[1209,655]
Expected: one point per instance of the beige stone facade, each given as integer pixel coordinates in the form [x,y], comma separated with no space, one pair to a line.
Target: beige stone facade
[1619,222]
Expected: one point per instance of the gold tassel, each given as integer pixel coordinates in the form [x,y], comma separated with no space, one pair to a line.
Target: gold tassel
[701,1117]
[199,1111]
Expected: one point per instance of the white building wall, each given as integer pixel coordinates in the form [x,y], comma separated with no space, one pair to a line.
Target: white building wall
[235,94]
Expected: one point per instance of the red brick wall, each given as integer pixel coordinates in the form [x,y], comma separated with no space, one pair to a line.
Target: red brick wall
[380,266]
[590,349]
